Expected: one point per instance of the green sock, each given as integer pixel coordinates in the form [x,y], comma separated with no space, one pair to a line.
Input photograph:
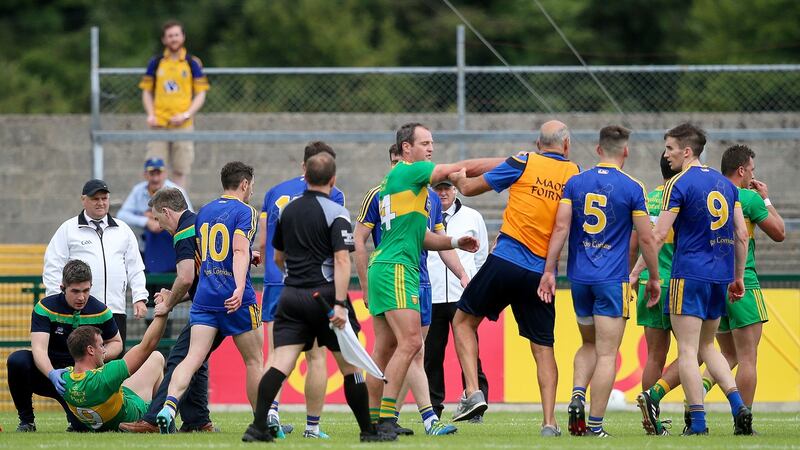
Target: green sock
[707,385]
[659,390]
[374,414]
[388,408]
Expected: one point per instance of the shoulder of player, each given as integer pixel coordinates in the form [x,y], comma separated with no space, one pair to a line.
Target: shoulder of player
[193,59]
[53,304]
[669,185]
[332,209]
[634,182]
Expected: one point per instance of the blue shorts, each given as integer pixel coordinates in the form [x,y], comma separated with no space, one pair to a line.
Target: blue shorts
[601,299]
[269,301]
[245,319]
[696,298]
[425,305]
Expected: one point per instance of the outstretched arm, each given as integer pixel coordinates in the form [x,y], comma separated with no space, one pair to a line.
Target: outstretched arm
[141,351]
[472,168]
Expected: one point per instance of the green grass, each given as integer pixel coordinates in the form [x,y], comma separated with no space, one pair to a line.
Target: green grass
[502,430]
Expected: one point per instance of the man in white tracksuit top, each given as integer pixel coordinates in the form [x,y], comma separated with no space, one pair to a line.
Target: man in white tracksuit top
[446,290]
[109,247]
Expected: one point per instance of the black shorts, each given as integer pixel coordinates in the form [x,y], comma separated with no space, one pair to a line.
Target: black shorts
[300,319]
[500,283]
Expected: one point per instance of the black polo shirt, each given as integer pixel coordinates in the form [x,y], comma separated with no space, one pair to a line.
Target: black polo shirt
[309,230]
[185,243]
[54,316]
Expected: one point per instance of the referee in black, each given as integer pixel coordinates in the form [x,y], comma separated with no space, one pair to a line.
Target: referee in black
[313,240]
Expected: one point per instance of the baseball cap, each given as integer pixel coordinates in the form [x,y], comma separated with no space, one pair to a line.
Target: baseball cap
[154,164]
[444,182]
[94,186]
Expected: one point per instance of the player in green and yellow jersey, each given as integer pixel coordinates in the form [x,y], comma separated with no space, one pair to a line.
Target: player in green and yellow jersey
[740,332]
[104,395]
[656,324]
[393,273]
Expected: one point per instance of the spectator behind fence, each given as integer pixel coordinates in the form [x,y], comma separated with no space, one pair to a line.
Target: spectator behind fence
[173,91]
[459,220]
[54,318]
[108,246]
[154,242]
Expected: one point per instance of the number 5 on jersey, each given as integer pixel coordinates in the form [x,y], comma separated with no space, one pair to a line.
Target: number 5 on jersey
[591,207]
[208,242]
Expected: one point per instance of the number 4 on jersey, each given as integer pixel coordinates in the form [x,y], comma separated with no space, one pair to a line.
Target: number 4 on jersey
[386,212]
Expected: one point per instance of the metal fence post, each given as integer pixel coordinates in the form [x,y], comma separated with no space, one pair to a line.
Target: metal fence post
[97,147]
[461,89]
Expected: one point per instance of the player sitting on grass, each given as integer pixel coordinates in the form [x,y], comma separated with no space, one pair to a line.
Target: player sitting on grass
[104,395]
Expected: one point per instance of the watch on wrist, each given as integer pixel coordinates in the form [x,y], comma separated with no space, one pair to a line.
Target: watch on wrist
[342,303]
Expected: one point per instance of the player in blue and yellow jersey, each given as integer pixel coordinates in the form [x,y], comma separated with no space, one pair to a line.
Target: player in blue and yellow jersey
[598,211]
[173,90]
[317,375]
[225,302]
[368,223]
[104,394]
[535,182]
[702,207]
[393,273]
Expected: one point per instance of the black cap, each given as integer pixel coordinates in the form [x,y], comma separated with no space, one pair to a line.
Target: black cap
[94,186]
[444,182]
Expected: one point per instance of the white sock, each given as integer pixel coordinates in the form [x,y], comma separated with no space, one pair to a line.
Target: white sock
[429,421]
[313,428]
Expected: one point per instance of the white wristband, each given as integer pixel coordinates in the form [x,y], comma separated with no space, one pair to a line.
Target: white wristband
[767,202]
[454,242]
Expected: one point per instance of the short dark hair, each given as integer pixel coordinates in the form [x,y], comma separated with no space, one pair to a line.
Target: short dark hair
[233,173]
[393,152]
[74,272]
[688,135]
[734,157]
[666,171]
[406,134]
[80,338]
[320,169]
[169,24]
[316,147]
[168,197]
[614,138]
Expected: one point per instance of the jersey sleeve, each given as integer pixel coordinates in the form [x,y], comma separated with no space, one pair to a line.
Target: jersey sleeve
[638,200]
[507,173]
[337,196]
[40,321]
[199,79]
[342,234]
[753,206]
[108,329]
[184,243]
[437,220]
[114,373]
[265,206]
[419,173]
[369,215]
[148,79]
[246,222]
[673,196]
[569,192]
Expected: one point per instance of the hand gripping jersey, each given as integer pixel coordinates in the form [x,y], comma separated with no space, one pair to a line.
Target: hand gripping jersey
[403,217]
[99,400]
[704,231]
[654,200]
[604,201]
[274,200]
[370,216]
[216,224]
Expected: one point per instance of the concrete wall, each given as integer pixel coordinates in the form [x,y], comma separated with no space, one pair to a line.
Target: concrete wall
[46,159]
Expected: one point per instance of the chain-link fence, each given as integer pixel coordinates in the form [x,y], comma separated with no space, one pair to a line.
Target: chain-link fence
[486,89]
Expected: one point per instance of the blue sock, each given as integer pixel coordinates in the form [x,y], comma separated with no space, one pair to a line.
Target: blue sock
[735,400]
[698,414]
[595,423]
[579,392]
[274,407]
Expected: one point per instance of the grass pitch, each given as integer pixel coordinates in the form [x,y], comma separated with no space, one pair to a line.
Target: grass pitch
[501,430]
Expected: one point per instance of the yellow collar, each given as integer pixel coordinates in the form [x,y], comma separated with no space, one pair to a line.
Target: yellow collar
[181,53]
[609,165]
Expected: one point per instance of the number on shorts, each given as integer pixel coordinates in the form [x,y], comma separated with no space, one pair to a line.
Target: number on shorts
[208,242]
[718,207]
[90,417]
[591,207]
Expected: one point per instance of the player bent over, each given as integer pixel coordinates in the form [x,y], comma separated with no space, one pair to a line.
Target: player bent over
[104,395]
[598,210]
[225,302]
[313,240]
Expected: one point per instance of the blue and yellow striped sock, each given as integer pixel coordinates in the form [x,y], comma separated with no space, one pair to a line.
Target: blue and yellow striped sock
[595,424]
[428,416]
[388,408]
[579,392]
[698,415]
[312,423]
[171,404]
[735,399]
